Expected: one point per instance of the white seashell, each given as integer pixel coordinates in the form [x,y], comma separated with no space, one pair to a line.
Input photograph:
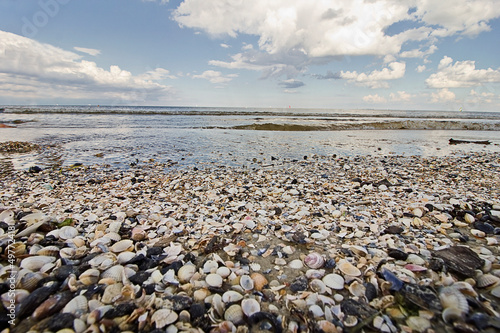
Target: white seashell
[34,218]
[68,232]
[234,314]
[125,257]
[491,241]
[122,246]
[186,272]
[112,293]
[90,276]
[114,236]
[487,280]
[249,306]
[36,262]
[496,291]
[316,311]
[114,272]
[214,280]
[347,268]
[469,218]
[315,273]
[231,296]
[415,259]
[218,304]
[478,233]
[7,216]
[358,250]
[103,261]
[314,260]
[246,282]
[452,314]
[296,264]
[210,266]
[451,297]
[67,252]
[77,306]
[164,317]
[223,271]
[48,251]
[357,289]
[318,286]
[418,324]
[334,281]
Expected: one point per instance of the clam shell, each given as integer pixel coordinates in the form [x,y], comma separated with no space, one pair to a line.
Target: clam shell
[214,280]
[317,286]
[249,306]
[259,281]
[186,272]
[30,280]
[234,314]
[246,282]
[296,264]
[164,317]
[122,246]
[218,304]
[334,281]
[48,251]
[487,280]
[231,296]
[315,273]
[125,257]
[36,262]
[314,260]
[77,306]
[496,291]
[111,293]
[357,289]
[347,268]
[68,232]
[103,261]
[90,276]
[223,271]
[18,249]
[451,297]
[114,272]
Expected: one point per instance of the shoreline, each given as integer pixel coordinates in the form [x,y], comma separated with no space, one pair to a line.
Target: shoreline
[381,225]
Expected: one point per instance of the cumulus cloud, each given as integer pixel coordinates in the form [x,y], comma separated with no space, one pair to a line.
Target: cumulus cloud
[224,46]
[215,76]
[321,29]
[92,52]
[374,99]
[443,95]
[420,68]
[461,74]
[401,96]
[32,69]
[375,79]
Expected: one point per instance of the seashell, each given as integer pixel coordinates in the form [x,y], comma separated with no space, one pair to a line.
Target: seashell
[48,251]
[315,273]
[465,288]
[296,264]
[316,311]
[34,218]
[418,324]
[52,305]
[114,236]
[487,280]
[249,306]
[415,268]
[15,295]
[125,257]
[357,289]
[200,294]
[210,266]
[223,271]
[186,272]
[169,277]
[452,314]
[67,252]
[469,218]
[128,292]
[415,259]
[231,296]
[491,241]
[77,306]
[90,276]
[358,250]
[122,246]
[184,316]
[214,280]
[17,249]
[164,317]
[350,321]
[496,291]
[103,261]
[451,297]
[234,314]
[478,233]
[218,304]
[36,262]
[246,283]
[114,272]
[347,268]
[318,286]
[325,326]
[314,260]
[30,280]
[7,216]
[259,281]
[111,293]
[68,232]
[334,281]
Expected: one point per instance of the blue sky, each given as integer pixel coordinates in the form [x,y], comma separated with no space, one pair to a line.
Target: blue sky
[381,54]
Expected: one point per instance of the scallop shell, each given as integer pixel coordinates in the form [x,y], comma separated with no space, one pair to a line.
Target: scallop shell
[77,306]
[164,317]
[451,297]
[214,280]
[334,281]
[186,272]
[347,268]
[314,260]
[249,306]
[48,251]
[487,280]
[30,280]
[234,314]
[90,276]
[122,246]
[36,262]
[68,232]
[246,282]
[259,281]
[114,272]
[231,296]
[452,314]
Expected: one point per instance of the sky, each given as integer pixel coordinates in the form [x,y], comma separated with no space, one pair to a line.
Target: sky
[341,54]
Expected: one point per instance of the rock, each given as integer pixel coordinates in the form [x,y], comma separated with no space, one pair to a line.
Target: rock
[460,260]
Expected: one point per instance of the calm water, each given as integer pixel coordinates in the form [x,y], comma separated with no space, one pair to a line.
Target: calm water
[234,136]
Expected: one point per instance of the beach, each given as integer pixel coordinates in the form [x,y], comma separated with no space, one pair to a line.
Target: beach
[332,243]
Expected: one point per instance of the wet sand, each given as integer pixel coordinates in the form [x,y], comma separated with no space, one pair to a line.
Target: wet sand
[379,243]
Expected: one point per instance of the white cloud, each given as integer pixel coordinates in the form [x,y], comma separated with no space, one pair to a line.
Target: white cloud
[417,53]
[92,52]
[374,99]
[420,68]
[224,46]
[476,97]
[375,79]
[443,95]
[461,74]
[401,96]
[46,71]
[215,76]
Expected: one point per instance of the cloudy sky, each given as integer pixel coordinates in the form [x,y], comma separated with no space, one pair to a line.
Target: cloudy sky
[382,54]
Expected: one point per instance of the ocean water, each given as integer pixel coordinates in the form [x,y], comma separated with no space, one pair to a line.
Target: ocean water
[197,136]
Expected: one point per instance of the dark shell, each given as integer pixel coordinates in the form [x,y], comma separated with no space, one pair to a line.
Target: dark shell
[180,302]
[37,297]
[397,254]
[259,318]
[358,309]
[393,230]
[396,283]
[120,310]
[485,227]
[139,277]
[436,264]
[299,284]
[371,291]
[52,305]
[423,297]
[460,260]
[56,322]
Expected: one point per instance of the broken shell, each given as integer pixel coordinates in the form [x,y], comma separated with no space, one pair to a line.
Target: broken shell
[347,268]
[90,276]
[186,272]
[164,317]
[334,281]
[234,314]
[452,314]
[250,306]
[218,304]
[77,306]
[259,281]
[357,289]
[487,280]
[314,260]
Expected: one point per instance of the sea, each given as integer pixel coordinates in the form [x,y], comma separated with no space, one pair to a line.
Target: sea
[125,136]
